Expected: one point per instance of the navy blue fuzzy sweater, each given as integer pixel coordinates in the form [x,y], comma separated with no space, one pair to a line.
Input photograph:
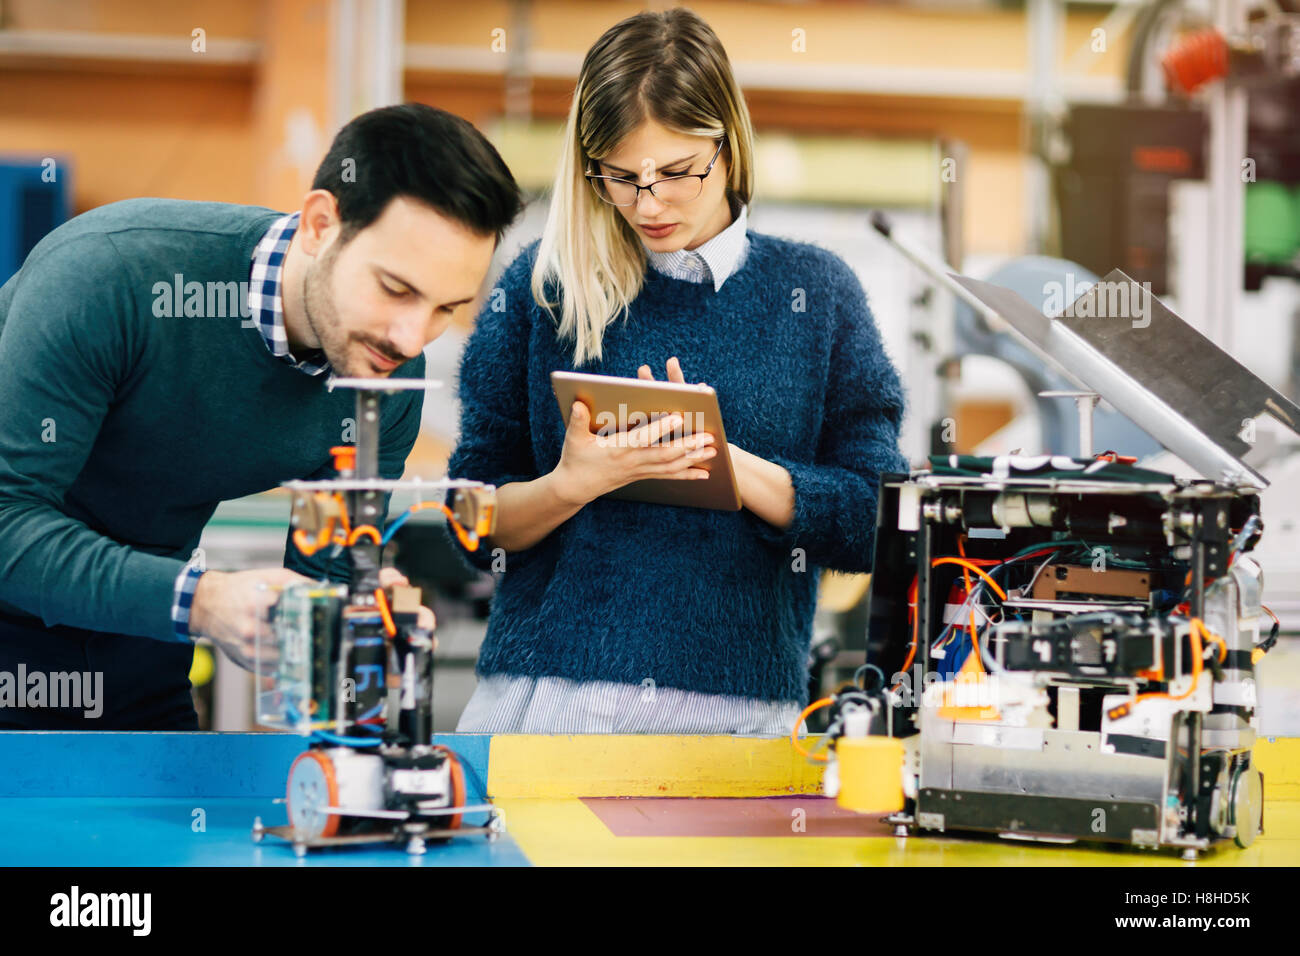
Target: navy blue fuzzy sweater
[708,601]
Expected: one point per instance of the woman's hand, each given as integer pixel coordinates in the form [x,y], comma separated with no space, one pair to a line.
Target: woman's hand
[672,367]
[766,488]
[592,464]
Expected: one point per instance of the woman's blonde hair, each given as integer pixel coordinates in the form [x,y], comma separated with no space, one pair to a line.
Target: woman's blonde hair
[669,67]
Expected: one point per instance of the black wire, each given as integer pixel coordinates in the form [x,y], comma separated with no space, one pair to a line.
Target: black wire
[1267,644]
[1148,21]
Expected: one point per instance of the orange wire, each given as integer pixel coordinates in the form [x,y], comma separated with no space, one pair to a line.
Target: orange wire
[794,731]
[916,618]
[964,563]
[382,601]
[304,543]
[361,529]
[1223,645]
[350,535]
[1197,651]
[327,532]
[462,535]
[309,547]
[916,624]
[1258,653]
[965,575]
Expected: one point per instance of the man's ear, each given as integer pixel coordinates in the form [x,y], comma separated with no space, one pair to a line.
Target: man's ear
[318,223]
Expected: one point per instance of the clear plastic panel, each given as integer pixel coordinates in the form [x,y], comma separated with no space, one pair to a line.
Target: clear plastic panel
[297,658]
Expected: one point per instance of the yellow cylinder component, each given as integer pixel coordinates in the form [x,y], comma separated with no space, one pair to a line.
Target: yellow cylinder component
[203,666]
[871,773]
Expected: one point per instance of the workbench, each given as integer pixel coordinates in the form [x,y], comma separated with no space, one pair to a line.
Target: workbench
[182,799]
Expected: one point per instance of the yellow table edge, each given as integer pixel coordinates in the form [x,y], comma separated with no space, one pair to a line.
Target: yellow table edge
[644,765]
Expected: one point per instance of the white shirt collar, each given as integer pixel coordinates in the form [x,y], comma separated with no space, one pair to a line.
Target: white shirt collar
[715,261]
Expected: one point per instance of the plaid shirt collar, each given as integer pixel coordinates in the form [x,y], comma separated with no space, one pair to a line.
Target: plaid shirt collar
[264,300]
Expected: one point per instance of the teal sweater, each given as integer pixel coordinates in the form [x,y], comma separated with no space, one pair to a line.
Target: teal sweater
[122,429]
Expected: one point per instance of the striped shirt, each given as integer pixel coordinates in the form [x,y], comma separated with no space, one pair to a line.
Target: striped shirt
[502,704]
[714,261]
[508,704]
[264,294]
[267,313]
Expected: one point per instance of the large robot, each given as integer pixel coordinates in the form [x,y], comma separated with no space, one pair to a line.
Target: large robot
[1063,648]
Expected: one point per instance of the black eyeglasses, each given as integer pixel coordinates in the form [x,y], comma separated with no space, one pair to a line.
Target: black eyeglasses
[672,191]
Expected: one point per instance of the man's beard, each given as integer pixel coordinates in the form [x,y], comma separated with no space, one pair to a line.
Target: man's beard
[323,319]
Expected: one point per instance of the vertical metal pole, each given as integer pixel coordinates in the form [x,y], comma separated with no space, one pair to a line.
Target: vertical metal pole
[519,77]
[366,503]
[924,544]
[1045,25]
[367,434]
[1198,570]
[367,56]
[1226,235]
[1085,405]
[1192,771]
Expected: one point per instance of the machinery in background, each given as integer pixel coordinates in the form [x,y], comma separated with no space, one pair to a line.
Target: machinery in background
[351,666]
[1192,183]
[35,197]
[1114,163]
[1113,194]
[1072,640]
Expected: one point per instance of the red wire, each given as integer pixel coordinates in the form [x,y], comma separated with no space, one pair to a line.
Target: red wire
[913,618]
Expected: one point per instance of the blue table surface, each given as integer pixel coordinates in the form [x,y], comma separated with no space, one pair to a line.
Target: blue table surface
[174,799]
[161,831]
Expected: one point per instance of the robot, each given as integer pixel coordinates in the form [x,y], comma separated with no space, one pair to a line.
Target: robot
[1071,642]
[349,665]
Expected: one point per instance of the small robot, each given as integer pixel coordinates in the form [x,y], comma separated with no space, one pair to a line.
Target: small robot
[350,666]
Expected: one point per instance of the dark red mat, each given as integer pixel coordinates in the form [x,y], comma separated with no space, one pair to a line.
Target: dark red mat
[733,817]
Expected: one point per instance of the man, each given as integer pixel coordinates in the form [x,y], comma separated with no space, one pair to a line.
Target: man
[135,397]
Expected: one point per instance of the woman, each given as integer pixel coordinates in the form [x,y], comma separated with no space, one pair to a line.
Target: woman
[621,616]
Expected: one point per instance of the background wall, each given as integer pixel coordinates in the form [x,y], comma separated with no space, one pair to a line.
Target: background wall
[856,106]
[117,87]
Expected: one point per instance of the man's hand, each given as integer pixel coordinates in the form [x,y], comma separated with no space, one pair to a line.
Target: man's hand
[229,608]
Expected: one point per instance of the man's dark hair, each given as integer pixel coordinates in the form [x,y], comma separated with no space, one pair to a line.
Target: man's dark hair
[423,153]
